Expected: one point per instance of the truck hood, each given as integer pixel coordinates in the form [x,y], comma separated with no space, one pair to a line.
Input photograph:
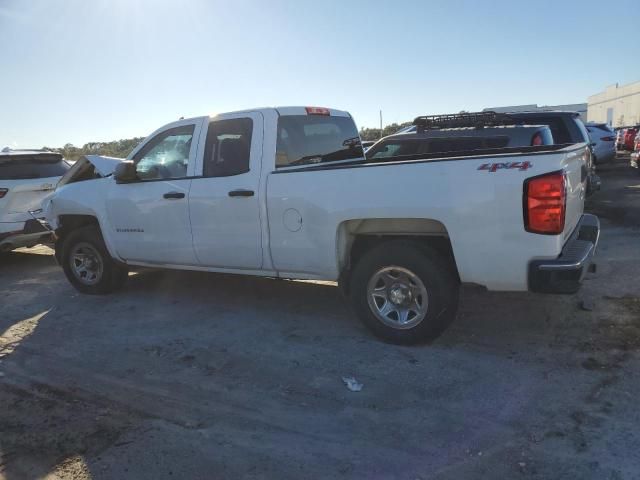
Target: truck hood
[75,188]
[103,165]
[89,167]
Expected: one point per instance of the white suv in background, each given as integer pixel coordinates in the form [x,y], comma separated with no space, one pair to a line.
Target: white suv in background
[603,139]
[26,177]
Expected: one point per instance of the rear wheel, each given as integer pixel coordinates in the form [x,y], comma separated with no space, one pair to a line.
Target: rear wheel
[87,264]
[404,292]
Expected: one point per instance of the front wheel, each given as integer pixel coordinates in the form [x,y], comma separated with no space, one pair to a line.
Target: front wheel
[404,292]
[87,264]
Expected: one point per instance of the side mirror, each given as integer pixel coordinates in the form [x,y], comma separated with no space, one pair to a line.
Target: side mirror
[125,172]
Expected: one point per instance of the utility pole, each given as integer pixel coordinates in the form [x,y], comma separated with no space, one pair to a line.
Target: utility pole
[380,123]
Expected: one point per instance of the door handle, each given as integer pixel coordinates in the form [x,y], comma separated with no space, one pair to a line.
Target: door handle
[173,195]
[241,193]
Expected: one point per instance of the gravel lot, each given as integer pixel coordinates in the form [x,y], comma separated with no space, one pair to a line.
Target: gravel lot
[187,375]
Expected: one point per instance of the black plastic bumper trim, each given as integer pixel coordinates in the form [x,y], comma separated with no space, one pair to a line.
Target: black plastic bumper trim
[565,273]
[30,227]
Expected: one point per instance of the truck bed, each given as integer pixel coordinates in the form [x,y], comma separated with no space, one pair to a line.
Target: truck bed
[478,208]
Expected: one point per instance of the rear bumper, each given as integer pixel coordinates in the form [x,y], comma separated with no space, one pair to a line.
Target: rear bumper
[22,234]
[565,273]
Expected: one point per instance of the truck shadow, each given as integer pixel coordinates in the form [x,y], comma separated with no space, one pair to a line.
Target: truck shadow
[24,259]
[481,314]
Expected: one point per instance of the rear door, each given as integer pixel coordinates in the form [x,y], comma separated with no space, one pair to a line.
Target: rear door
[24,181]
[225,200]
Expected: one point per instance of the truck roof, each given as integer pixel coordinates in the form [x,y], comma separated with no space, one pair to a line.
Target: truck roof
[290,110]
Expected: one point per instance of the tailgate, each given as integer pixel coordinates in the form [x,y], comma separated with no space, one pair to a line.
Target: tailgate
[575,165]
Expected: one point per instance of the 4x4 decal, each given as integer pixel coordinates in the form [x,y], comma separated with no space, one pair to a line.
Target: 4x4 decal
[494,167]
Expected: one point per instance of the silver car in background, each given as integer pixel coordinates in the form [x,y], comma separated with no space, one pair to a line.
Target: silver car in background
[603,139]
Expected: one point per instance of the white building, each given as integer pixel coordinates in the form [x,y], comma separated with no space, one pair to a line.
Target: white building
[581,108]
[618,106]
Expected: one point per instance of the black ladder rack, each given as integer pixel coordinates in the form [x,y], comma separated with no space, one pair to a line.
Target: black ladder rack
[463,120]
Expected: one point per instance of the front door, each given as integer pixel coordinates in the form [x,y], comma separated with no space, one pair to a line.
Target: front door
[150,217]
[225,202]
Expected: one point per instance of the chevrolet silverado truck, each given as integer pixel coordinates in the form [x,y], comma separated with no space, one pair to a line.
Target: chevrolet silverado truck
[288,193]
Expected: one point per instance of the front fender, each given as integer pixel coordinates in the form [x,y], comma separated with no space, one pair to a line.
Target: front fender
[80,200]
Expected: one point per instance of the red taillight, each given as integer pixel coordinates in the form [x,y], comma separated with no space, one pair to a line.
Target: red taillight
[3,192]
[608,139]
[544,204]
[317,111]
[536,140]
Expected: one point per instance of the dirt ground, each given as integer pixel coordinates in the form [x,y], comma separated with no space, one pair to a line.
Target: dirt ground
[203,376]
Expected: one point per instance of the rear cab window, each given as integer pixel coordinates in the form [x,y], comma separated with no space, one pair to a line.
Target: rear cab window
[315,139]
[25,167]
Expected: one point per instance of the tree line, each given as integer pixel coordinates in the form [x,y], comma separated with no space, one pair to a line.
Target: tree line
[116,148]
[374,133]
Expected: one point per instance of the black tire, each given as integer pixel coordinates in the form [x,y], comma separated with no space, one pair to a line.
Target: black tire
[112,276]
[435,272]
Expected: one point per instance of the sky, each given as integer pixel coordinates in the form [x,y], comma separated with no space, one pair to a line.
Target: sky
[75,71]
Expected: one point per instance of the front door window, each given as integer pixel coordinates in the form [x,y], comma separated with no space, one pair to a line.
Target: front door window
[166,156]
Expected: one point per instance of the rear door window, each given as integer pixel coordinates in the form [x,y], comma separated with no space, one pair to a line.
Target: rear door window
[228,147]
[314,139]
[23,167]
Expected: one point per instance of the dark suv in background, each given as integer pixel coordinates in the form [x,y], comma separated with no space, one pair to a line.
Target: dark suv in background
[566,127]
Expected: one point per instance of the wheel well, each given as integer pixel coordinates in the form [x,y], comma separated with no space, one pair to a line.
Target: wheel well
[69,223]
[357,237]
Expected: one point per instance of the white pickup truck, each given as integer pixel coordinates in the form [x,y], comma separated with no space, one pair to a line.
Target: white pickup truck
[287,193]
